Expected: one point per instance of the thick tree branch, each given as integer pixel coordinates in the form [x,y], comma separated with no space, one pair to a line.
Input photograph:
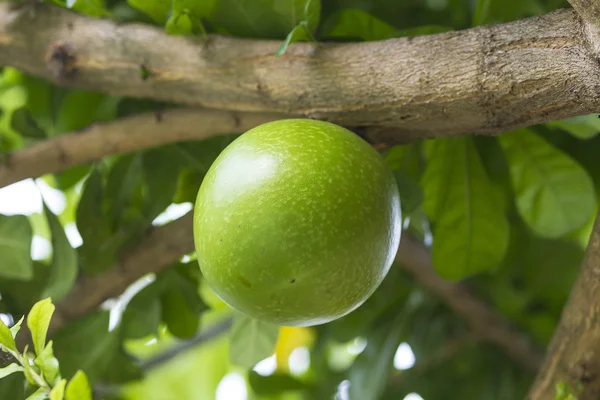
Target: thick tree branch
[487,79]
[165,245]
[125,135]
[573,356]
[589,10]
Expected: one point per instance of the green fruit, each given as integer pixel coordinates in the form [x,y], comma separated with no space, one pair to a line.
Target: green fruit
[297,222]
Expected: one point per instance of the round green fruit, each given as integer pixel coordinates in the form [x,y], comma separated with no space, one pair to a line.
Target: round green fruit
[297,222]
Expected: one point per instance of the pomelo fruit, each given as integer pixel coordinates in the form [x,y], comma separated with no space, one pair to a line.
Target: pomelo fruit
[297,222]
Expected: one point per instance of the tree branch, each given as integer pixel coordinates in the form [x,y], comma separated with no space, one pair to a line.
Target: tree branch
[588,10]
[485,80]
[573,356]
[165,245]
[124,135]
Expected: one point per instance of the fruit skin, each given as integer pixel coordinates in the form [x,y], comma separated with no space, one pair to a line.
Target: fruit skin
[297,222]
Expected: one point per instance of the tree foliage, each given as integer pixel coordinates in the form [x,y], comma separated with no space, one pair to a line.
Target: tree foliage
[509,216]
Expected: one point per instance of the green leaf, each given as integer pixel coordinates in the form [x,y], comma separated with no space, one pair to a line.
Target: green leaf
[104,361]
[23,122]
[299,33]
[471,230]
[160,169]
[274,384]
[142,316]
[78,109]
[63,270]
[422,30]
[188,185]
[582,127]
[354,23]
[14,330]
[554,194]
[251,340]
[411,194]
[48,364]
[22,295]
[79,387]
[6,338]
[38,321]
[6,371]
[312,14]
[123,186]
[158,10]
[15,247]
[482,10]
[58,391]
[179,24]
[370,372]
[39,394]
[12,387]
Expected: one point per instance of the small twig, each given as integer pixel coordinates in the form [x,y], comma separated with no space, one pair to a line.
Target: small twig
[186,345]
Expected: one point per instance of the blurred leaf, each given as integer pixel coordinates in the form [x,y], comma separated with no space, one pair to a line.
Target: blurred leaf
[104,361]
[78,388]
[22,295]
[369,373]
[123,186]
[15,247]
[188,185]
[78,109]
[411,194]
[161,169]
[274,384]
[422,30]
[70,177]
[299,33]
[482,9]
[12,387]
[142,316]
[555,195]
[158,10]
[63,270]
[39,394]
[48,364]
[16,327]
[6,371]
[251,340]
[6,337]
[471,231]
[38,321]
[179,24]
[582,127]
[58,391]
[355,23]
[23,122]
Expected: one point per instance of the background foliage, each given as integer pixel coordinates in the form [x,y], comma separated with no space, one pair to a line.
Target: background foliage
[509,215]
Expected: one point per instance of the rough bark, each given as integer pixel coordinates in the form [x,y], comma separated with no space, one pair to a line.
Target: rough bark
[485,80]
[167,244]
[125,135]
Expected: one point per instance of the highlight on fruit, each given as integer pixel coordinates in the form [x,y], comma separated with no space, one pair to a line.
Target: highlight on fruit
[297,222]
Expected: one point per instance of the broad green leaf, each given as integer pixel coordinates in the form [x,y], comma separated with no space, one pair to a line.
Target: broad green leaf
[63,270]
[471,230]
[582,127]
[204,8]
[78,109]
[39,394]
[299,33]
[104,361]
[7,340]
[15,247]
[482,9]
[12,387]
[78,387]
[22,295]
[161,169]
[188,184]
[58,391]
[158,10]
[258,18]
[91,223]
[48,364]
[411,194]
[554,194]
[23,122]
[370,372]
[274,384]
[354,23]
[312,14]
[6,371]
[142,316]
[251,340]
[124,186]
[38,321]
[179,24]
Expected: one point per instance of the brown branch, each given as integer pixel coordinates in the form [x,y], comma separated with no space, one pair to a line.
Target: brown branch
[483,320]
[487,79]
[167,244]
[573,356]
[589,10]
[125,135]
